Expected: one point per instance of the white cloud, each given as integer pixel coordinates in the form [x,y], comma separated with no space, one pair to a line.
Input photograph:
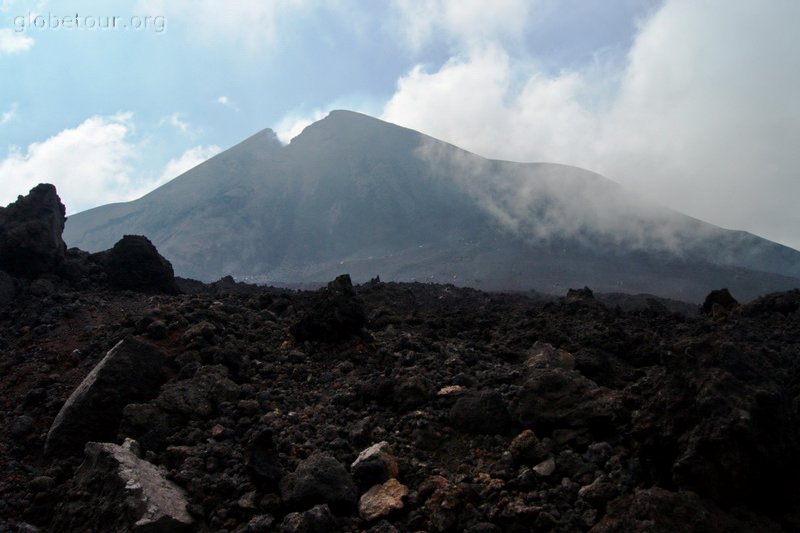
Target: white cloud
[12,42]
[703,117]
[175,121]
[463,21]
[9,115]
[226,101]
[293,124]
[89,164]
[186,161]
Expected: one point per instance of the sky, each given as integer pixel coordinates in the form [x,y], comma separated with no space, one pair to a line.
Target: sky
[693,103]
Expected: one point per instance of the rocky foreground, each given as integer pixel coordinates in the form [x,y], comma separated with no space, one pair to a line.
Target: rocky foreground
[131,401]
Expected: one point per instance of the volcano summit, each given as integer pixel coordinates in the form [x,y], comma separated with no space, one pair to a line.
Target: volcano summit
[354,194]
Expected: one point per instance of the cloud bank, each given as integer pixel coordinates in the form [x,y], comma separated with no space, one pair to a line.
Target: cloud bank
[702,115]
[90,164]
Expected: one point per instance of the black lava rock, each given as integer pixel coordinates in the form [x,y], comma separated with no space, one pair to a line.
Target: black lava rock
[319,479]
[135,264]
[338,314]
[30,233]
[484,412]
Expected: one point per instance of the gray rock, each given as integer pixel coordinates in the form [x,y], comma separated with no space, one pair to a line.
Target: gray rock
[130,372]
[121,492]
[319,479]
[546,467]
[374,465]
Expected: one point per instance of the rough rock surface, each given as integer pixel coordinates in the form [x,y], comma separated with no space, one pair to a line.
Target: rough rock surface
[133,263]
[319,479]
[131,371]
[620,419]
[113,490]
[337,314]
[30,233]
[382,500]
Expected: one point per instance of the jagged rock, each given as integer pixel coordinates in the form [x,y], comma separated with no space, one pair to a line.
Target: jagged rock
[784,303]
[338,314]
[197,398]
[319,479]
[178,403]
[30,233]
[484,412]
[443,502]
[720,297]
[261,523]
[579,295]
[318,519]
[526,447]
[659,510]
[130,372]
[374,465]
[565,398]
[543,355]
[730,439]
[134,264]
[546,467]
[599,491]
[116,491]
[382,499]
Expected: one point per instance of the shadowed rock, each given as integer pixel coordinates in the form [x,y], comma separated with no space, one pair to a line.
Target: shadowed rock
[30,233]
[319,479]
[135,264]
[484,412]
[719,297]
[130,372]
[337,315]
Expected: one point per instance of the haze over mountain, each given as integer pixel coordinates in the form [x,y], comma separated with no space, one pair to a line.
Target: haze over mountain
[354,194]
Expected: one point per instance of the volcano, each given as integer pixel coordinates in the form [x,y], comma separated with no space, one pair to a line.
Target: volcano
[355,194]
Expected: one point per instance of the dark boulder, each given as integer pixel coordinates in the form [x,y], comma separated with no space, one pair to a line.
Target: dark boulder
[317,480]
[135,264]
[318,519]
[132,371]
[30,233]
[338,314]
[484,412]
[554,397]
[719,297]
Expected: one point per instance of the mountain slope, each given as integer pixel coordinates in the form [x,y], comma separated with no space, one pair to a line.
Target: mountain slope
[355,194]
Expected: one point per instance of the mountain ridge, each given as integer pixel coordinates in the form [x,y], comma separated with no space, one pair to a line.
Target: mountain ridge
[355,194]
